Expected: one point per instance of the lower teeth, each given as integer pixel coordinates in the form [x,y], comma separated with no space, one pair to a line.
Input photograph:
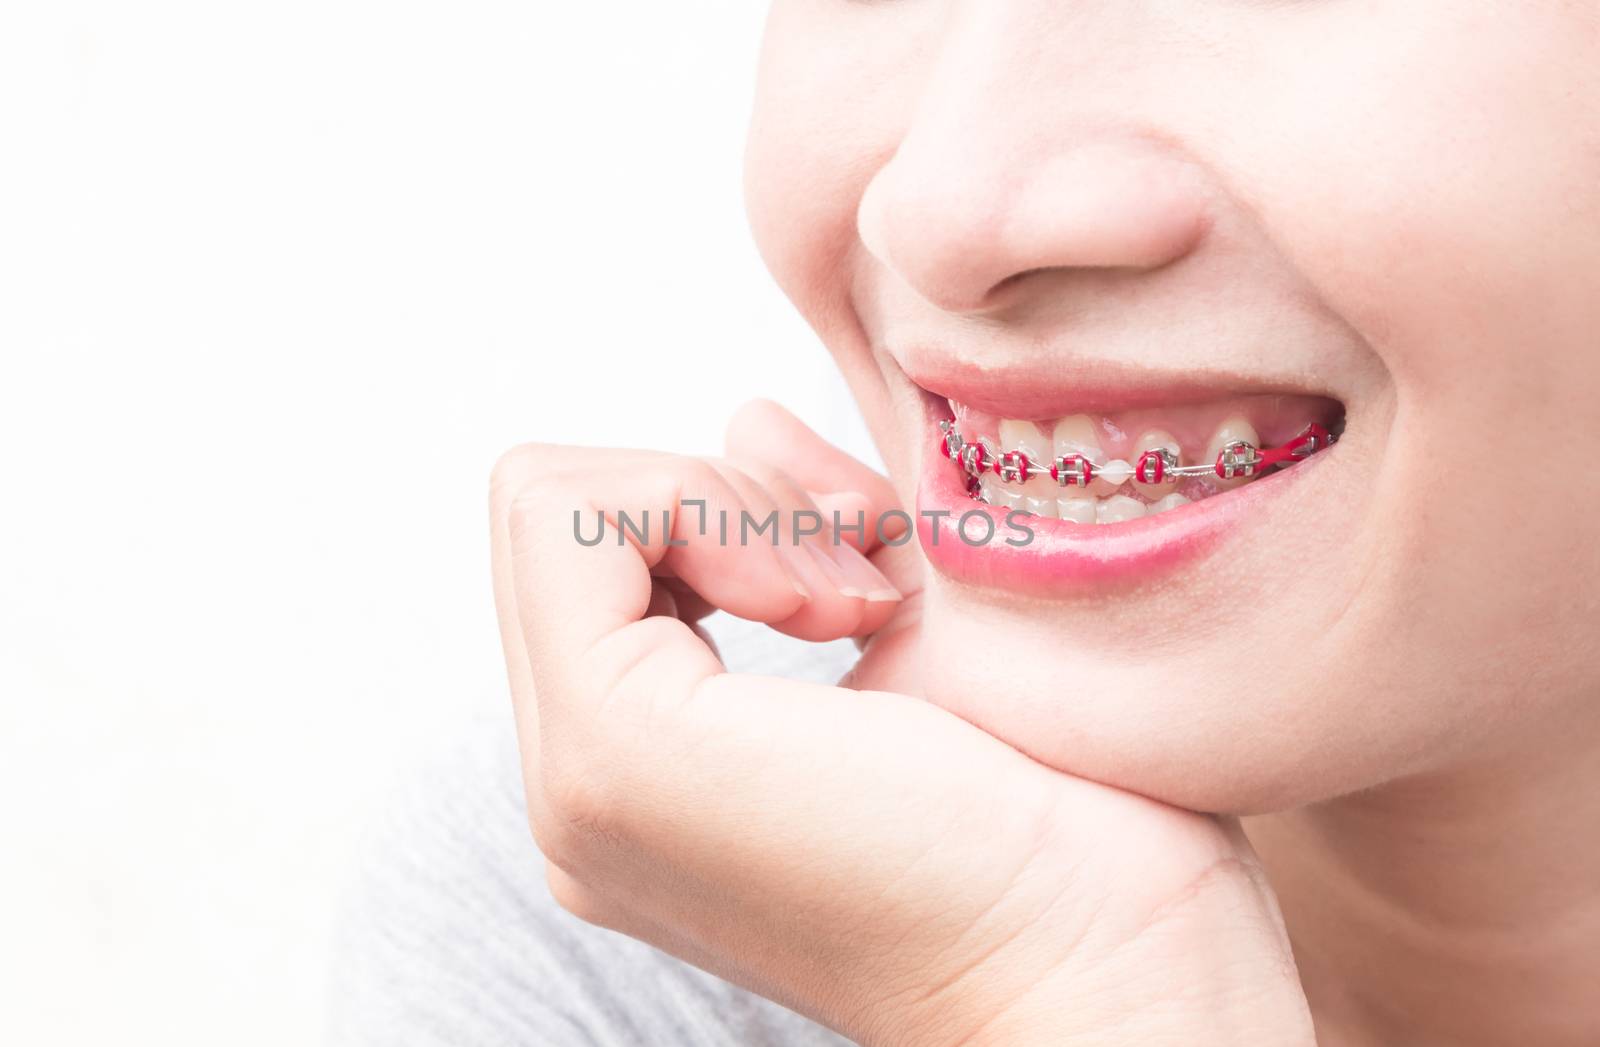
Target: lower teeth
[1114,508]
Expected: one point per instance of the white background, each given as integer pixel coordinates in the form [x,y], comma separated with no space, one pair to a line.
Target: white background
[278,281]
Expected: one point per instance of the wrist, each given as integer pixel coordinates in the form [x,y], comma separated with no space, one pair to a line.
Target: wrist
[1169,1009]
[1213,967]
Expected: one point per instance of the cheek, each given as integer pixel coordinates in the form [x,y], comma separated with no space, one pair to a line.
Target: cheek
[798,204]
[1447,204]
[834,95]
[803,178]
[832,101]
[1439,185]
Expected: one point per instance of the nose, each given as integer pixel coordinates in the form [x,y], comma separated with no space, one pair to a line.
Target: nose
[979,197]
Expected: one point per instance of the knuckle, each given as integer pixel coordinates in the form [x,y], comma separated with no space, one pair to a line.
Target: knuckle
[515,471]
[527,513]
[542,824]
[756,471]
[512,465]
[766,477]
[751,413]
[581,900]
[708,474]
[742,477]
[583,809]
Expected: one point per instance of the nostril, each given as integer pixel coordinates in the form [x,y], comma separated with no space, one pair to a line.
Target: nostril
[1000,289]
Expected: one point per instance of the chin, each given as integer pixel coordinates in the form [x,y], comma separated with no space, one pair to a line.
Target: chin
[1228,745]
[1155,582]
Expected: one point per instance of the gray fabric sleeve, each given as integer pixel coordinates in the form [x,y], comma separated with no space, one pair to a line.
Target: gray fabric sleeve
[449,936]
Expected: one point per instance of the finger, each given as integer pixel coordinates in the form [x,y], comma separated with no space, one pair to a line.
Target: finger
[760,800]
[847,570]
[663,603]
[835,608]
[513,474]
[510,473]
[682,798]
[895,557]
[766,432]
[565,516]
[691,606]
[670,598]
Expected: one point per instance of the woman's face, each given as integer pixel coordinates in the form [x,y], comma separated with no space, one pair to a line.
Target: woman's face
[1109,225]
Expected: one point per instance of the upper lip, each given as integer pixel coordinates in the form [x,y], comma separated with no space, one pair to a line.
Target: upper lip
[1053,386]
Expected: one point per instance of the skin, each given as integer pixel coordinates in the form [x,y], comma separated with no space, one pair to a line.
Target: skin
[1395,205]
[825,846]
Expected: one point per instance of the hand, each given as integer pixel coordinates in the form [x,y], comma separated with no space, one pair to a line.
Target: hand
[857,854]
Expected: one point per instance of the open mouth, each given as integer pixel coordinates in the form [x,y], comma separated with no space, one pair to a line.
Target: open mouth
[1114,468]
[1132,484]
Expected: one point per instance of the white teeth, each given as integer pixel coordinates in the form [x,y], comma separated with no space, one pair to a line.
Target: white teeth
[998,494]
[1235,427]
[1001,496]
[1107,498]
[1117,509]
[1078,510]
[1040,506]
[1170,502]
[1111,476]
[1025,437]
[1076,435]
[1150,441]
[1035,443]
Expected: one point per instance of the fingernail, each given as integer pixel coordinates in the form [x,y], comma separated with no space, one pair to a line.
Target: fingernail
[830,570]
[860,577]
[889,526]
[791,560]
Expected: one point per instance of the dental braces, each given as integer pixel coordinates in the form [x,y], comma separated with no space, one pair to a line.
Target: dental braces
[1238,459]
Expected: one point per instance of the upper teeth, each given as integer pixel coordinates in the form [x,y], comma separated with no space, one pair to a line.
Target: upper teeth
[1234,466]
[1165,446]
[1065,477]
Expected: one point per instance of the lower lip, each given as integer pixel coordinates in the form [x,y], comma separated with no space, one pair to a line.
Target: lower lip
[1063,557]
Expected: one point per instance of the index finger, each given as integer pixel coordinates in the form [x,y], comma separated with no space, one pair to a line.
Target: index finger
[578,574]
[766,432]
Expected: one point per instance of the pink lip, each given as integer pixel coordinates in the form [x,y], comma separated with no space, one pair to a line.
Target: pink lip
[1063,557]
[1071,386]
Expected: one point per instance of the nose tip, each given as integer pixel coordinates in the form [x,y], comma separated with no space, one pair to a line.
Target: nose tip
[957,231]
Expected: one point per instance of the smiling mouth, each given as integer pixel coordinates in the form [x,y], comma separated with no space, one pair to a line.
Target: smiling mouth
[1095,473]
[1114,468]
